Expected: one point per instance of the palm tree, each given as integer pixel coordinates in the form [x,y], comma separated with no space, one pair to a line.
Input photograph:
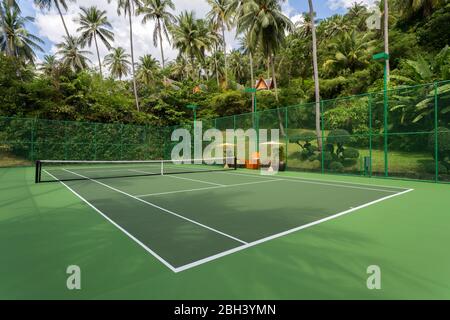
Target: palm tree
[237,65]
[72,55]
[127,7]
[48,4]
[267,25]
[351,51]
[188,38]
[49,65]
[334,25]
[158,10]
[411,9]
[15,40]
[118,63]
[220,15]
[247,47]
[94,23]
[147,70]
[316,76]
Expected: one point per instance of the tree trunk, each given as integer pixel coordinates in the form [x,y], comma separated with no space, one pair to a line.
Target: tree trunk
[98,56]
[316,77]
[225,54]
[161,45]
[386,36]
[252,80]
[217,69]
[274,79]
[62,18]
[132,61]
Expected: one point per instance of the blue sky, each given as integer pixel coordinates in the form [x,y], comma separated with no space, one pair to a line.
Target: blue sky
[49,28]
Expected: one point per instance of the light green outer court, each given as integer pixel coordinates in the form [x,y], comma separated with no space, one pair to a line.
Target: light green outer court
[44,228]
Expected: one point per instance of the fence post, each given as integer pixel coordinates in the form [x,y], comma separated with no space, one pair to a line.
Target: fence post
[33,125]
[370,134]
[95,141]
[322,136]
[436,132]
[286,137]
[386,164]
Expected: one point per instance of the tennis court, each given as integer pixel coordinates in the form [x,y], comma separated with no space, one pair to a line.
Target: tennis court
[186,215]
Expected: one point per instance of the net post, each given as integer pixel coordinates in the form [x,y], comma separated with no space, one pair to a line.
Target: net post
[37,177]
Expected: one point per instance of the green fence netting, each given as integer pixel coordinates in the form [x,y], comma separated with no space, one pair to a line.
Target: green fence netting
[401,133]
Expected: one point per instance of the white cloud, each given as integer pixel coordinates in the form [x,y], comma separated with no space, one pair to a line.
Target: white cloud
[49,25]
[345,4]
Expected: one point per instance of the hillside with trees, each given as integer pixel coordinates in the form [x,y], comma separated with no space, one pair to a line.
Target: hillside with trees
[77,84]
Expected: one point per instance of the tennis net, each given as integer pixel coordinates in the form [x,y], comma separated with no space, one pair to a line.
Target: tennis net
[66,170]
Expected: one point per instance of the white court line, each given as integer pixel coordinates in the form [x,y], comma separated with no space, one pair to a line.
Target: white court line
[318,180]
[231,251]
[153,253]
[173,176]
[300,180]
[281,234]
[207,188]
[160,208]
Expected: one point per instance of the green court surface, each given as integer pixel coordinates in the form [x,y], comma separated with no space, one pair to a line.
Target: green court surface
[223,235]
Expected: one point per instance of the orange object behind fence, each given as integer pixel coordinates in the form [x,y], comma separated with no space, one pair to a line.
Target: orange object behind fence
[253,163]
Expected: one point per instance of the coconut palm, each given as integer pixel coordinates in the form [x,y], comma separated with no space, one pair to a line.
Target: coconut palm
[72,55]
[188,38]
[238,65]
[158,11]
[49,65]
[94,23]
[267,25]
[15,39]
[334,25]
[128,8]
[48,4]
[118,63]
[147,71]
[414,8]
[221,16]
[351,51]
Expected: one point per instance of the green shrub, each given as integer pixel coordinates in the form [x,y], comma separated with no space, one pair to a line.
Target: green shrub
[349,162]
[430,167]
[350,153]
[337,166]
[443,143]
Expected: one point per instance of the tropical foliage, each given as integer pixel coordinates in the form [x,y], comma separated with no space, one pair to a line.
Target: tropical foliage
[155,90]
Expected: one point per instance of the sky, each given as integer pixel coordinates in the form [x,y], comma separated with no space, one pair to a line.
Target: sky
[49,28]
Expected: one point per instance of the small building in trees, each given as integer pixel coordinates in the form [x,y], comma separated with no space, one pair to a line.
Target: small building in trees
[264,84]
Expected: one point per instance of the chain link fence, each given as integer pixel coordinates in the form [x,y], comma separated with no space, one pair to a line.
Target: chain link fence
[402,133]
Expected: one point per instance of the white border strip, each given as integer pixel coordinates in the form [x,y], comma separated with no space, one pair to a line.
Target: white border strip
[281,234]
[319,182]
[224,253]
